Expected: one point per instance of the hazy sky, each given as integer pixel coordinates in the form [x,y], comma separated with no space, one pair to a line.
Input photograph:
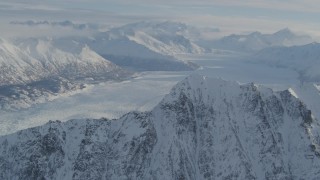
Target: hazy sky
[228,15]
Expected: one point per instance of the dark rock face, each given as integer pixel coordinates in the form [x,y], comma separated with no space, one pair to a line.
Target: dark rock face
[204,129]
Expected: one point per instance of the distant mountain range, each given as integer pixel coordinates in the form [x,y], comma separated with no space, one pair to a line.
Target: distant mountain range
[304,59]
[204,129]
[257,41]
[145,46]
[158,39]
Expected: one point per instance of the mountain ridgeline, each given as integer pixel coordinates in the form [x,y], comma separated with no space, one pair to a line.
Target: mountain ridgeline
[204,129]
[256,41]
[35,70]
[305,60]
[146,46]
[34,59]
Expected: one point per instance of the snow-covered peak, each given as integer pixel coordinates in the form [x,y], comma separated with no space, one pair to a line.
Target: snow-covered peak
[11,55]
[5,45]
[33,59]
[89,55]
[168,38]
[254,34]
[196,81]
[208,90]
[59,51]
[285,33]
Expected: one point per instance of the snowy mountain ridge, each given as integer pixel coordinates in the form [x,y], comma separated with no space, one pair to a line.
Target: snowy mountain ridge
[132,55]
[166,38]
[204,129]
[35,70]
[34,59]
[145,46]
[304,59]
[256,41]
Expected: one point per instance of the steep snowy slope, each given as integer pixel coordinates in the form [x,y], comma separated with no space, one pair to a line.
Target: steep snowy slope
[17,66]
[73,62]
[131,55]
[164,37]
[144,46]
[35,59]
[304,59]
[257,41]
[309,93]
[204,129]
[35,70]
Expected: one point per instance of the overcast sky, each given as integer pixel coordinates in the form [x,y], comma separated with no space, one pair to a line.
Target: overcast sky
[231,16]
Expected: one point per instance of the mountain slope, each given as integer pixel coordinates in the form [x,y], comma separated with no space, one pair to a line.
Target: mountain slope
[204,129]
[17,97]
[134,56]
[303,59]
[309,93]
[256,41]
[33,59]
[167,38]
[145,46]
[35,70]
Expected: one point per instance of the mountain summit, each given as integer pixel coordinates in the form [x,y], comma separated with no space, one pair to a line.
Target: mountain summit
[204,129]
